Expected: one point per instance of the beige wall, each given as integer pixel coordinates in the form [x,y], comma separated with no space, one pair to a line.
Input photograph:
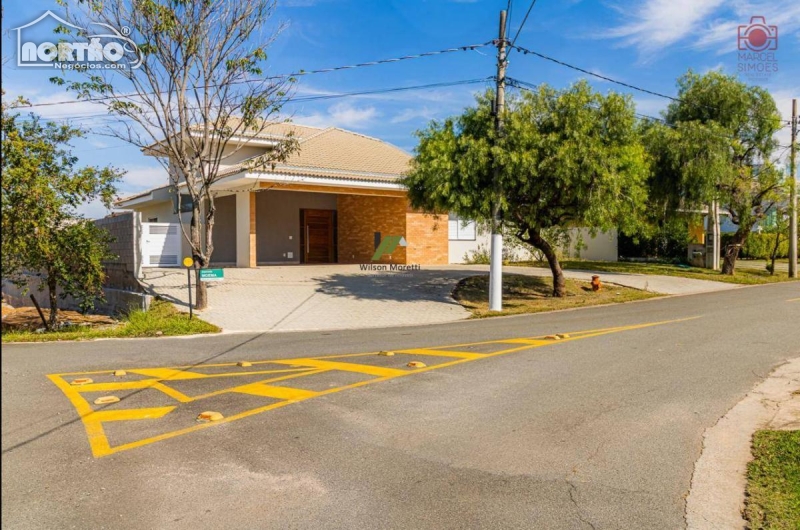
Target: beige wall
[278,222]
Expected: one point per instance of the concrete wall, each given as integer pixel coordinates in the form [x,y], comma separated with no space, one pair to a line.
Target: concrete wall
[123,270]
[117,300]
[278,222]
[224,230]
[603,247]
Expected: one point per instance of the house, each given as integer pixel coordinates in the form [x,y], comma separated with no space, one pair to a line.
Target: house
[332,201]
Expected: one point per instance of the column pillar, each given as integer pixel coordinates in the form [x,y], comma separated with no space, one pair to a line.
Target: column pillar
[246,229]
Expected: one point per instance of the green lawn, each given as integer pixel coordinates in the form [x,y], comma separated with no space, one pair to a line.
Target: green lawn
[162,319]
[773,481]
[743,275]
[529,294]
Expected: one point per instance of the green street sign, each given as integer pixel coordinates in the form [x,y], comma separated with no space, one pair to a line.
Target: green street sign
[211,275]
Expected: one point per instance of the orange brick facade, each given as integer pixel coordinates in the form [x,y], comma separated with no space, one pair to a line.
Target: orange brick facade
[359,217]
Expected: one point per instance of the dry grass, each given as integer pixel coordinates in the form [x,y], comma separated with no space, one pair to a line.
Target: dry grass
[529,294]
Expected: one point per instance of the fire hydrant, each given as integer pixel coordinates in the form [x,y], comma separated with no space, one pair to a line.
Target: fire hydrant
[596,285]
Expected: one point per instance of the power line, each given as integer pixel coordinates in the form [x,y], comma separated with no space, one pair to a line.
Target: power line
[525,51]
[303,99]
[525,19]
[469,47]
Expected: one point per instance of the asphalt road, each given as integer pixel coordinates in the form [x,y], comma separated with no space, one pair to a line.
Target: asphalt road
[598,430]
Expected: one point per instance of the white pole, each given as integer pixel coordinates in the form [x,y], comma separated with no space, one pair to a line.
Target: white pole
[496,265]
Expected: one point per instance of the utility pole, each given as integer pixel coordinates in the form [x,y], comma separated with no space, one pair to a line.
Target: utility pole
[793,196]
[496,265]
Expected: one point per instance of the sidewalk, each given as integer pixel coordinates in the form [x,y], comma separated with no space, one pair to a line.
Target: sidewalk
[318,297]
[717,495]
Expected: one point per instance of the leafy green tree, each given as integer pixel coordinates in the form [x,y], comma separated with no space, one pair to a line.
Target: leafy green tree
[41,231]
[717,144]
[201,86]
[568,158]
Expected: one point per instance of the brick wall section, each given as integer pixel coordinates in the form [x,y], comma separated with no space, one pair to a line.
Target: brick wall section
[359,217]
[121,272]
[427,239]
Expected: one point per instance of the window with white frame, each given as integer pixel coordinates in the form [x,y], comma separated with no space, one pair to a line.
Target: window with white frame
[461,229]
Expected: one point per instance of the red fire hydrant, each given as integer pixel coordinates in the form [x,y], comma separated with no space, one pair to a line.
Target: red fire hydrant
[596,285]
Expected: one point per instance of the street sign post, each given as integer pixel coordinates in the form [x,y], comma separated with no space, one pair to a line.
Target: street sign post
[211,275]
[188,263]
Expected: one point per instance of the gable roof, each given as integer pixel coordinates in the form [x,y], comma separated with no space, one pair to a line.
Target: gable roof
[337,153]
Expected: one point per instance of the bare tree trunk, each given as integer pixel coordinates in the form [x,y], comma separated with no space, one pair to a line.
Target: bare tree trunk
[559,284]
[732,250]
[52,292]
[774,255]
[201,293]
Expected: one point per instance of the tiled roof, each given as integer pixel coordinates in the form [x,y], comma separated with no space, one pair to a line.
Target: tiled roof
[338,153]
[275,130]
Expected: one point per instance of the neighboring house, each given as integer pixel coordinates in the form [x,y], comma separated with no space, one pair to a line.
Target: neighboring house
[332,201]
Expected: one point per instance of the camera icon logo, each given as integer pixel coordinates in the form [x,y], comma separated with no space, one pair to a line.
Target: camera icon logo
[758,36]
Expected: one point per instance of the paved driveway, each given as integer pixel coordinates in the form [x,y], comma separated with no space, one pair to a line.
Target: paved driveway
[325,297]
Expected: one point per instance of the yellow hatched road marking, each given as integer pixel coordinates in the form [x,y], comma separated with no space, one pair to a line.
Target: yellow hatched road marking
[277,392]
[531,342]
[440,353]
[93,419]
[346,367]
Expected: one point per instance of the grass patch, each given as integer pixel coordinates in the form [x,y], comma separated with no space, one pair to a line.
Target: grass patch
[743,275]
[773,481]
[529,294]
[162,319]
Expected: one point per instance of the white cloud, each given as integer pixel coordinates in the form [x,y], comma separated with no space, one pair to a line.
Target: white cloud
[413,114]
[342,115]
[722,32]
[699,24]
[138,178]
[657,24]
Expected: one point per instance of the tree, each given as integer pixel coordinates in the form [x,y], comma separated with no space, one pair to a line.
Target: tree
[41,231]
[568,158]
[717,145]
[199,88]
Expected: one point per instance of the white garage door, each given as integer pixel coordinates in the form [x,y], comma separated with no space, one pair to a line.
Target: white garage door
[161,245]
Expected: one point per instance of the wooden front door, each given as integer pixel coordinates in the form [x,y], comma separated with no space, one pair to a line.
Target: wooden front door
[317,235]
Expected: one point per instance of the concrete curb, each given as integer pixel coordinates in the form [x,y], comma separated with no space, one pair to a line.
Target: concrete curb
[717,494]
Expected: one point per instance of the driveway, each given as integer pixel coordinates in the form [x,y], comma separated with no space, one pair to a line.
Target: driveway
[325,297]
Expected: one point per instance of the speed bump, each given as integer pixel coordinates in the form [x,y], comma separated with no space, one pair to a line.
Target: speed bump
[244,364]
[82,381]
[386,353]
[416,364]
[120,373]
[209,416]
[106,400]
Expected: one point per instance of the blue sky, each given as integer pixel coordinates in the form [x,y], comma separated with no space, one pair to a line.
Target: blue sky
[648,43]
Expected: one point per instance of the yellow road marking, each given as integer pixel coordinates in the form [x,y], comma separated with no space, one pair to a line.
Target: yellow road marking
[277,392]
[129,414]
[93,419]
[345,367]
[439,353]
